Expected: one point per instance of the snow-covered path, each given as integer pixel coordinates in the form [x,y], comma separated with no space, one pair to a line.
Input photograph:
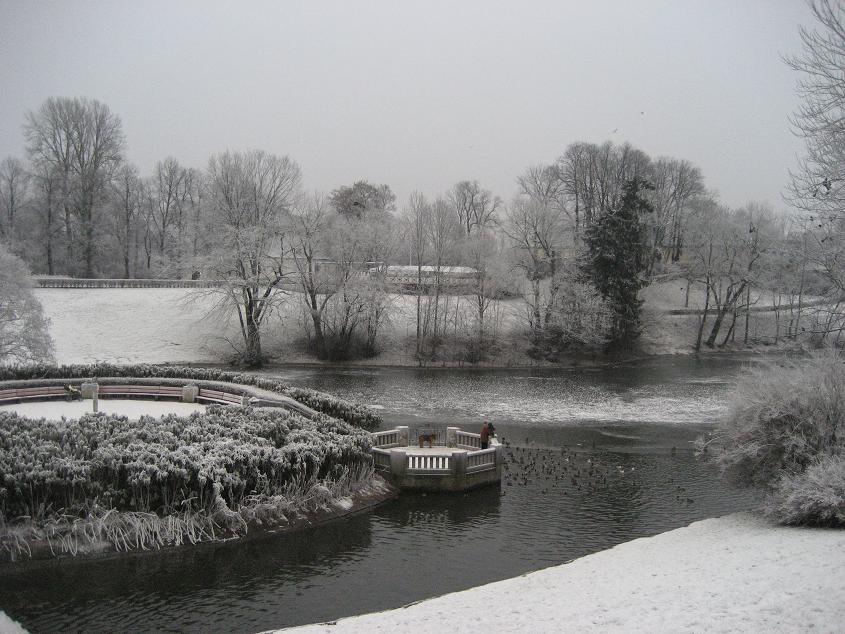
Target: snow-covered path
[736,573]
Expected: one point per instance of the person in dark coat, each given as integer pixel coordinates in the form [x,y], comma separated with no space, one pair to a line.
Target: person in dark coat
[485,435]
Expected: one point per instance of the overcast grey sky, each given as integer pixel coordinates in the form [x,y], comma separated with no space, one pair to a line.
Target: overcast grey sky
[419,95]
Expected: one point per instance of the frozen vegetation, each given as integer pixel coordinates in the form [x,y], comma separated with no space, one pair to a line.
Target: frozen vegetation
[784,432]
[136,484]
[105,481]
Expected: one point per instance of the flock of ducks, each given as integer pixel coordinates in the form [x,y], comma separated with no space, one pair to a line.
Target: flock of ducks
[567,470]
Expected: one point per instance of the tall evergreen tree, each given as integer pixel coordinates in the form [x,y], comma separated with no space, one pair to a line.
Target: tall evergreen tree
[616,259]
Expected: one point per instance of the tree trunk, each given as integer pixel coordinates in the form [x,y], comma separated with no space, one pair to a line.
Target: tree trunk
[536,329]
[89,247]
[49,236]
[747,314]
[729,304]
[419,306]
[730,332]
[319,337]
[704,314]
[252,355]
[127,234]
[71,265]
[801,291]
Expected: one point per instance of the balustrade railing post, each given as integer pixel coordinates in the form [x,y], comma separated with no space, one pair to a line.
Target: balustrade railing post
[398,463]
[499,455]
[189,393]
[452,436]
[404,435]
[458,463]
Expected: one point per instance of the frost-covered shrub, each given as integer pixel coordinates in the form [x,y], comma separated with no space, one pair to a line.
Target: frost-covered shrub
[815,497]
[325,403]
[24,330]
[782,417]
[784,432]
[198,462]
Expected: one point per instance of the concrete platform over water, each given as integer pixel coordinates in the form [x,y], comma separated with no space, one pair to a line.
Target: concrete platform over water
[460,464]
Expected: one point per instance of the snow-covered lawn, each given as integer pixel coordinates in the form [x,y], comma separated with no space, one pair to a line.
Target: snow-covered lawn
[172,325]
[736,573]
[133,325]
[8,626]
[132,409]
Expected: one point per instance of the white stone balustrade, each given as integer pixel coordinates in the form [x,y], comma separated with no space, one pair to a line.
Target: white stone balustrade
[458,466]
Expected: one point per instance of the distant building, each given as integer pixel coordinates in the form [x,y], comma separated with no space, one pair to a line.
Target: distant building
[409,277]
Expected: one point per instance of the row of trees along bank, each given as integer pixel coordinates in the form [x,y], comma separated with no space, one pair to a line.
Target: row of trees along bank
[577,242]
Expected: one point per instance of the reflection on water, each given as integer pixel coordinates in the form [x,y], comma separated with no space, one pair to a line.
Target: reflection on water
[571,488]
[240,587]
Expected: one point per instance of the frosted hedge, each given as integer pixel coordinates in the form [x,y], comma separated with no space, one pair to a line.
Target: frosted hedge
[170,464]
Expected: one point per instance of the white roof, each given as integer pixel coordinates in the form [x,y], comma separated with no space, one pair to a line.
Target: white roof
[412,270]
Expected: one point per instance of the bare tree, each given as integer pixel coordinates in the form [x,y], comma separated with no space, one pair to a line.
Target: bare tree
[484,254]
[250,196]
[818,184]
[148,204]
[127,205]
[475,207]
[14,191]
[725,251]
[543,183]
[81,142]
[46,187]
[339,258]
[443,235]
[676,182]
[418,220]
[169,189]
[573,170]
[538,234]
[363,198]
[191,217]
[310,233]
[594,176]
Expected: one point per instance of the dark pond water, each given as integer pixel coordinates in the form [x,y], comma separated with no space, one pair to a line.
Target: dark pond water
[596,458]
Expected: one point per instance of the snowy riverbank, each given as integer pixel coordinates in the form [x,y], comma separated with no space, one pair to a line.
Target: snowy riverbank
[167,325]
[737,573]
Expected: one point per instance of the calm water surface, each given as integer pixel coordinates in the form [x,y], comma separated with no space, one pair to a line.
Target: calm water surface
[596,458]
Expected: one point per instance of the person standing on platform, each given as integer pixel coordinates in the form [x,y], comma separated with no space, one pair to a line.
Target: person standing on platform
[485,435]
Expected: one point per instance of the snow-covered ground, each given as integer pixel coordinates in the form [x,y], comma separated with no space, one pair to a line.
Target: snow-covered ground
[134,325]
[736,573]
[173,325]
[132,409]
[8,626]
